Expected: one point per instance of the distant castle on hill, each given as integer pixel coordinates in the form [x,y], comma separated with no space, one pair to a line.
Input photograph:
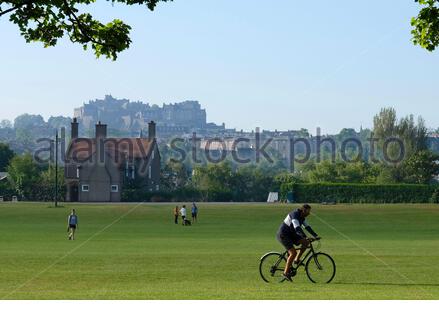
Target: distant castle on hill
[127,116]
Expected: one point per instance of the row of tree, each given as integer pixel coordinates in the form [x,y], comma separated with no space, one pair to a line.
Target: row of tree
[250,182]
[230,181]
[26,179]
[23,133]
[419,168]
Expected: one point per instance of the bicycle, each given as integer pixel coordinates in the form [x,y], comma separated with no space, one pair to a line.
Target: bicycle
[319,266]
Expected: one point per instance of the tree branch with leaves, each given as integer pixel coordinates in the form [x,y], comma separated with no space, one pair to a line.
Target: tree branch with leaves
[49,21]
[426,25]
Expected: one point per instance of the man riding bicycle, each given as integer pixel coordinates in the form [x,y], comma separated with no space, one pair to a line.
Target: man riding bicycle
[290,234]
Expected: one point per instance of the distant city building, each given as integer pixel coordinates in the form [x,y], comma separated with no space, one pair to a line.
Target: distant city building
[126,116]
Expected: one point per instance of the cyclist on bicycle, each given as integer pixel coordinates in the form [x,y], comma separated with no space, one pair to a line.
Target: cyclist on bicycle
[290,234]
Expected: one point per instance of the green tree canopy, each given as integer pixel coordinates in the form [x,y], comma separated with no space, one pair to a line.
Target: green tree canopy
[5,124]
[23,174]
[29,121]
[58,122]
[426,25]
[421,167]
[343,172]
[48,21]
[6,154]
[174,176]
[412,133]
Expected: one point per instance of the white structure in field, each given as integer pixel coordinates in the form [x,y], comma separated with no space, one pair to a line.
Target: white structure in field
[273,197]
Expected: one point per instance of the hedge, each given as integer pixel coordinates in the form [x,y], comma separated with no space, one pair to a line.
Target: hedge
[362,193]
[39,192]
[138,195]
[180,195]
[6,191]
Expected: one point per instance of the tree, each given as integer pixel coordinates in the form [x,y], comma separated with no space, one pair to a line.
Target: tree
[29,122]
[385,124]
[46,185]
[216,182]
[174,176]
[252,183]
[5,124]
[426,25]
[58,122]
[412,134]
[435,196]
[6,154]
[24,140]
[346,133]
[24,175]
[48,21]
[421,167]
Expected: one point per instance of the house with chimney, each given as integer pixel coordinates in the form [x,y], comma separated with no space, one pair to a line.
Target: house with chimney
[98,169]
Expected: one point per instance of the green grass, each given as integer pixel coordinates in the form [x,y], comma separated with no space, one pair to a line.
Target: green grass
[393,252]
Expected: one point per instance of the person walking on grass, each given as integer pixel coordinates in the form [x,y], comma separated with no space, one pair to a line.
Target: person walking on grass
[194,212]
[72,224]
[183,213]
[176,213]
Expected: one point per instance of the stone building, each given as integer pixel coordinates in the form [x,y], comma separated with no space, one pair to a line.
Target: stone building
[97,169]
[130,116]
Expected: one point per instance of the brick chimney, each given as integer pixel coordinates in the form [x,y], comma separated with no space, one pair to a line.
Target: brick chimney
[101,130]
[151,130]
[75,130]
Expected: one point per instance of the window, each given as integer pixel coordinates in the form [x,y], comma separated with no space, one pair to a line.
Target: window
[157,188]
[77,172]
[85,188]
[114,188]
[149,172]
[153,154]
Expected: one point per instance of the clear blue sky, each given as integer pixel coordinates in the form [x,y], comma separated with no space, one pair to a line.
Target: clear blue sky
[281,64]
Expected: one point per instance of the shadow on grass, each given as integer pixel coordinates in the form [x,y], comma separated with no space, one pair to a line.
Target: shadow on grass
[392,284]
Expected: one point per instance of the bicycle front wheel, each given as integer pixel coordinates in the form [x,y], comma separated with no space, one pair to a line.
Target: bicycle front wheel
[272,267]
[320,268]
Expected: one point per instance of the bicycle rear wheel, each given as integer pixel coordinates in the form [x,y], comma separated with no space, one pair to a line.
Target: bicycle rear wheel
[272,266]
[320,268]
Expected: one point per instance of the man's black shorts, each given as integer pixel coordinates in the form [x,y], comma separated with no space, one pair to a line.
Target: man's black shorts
[288,240]
[72,226]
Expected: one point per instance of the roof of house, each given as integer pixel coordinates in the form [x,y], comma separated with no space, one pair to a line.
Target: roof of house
[118,148]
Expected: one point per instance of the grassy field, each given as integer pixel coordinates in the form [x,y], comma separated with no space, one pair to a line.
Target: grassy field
[137,252]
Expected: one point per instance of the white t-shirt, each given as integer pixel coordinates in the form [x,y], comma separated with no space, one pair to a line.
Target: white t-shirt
[183,212]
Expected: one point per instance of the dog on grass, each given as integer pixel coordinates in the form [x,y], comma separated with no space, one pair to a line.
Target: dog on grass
[187,223]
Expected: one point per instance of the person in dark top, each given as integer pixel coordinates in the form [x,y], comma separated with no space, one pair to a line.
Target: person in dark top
[72,224]
[290,233]
[194,212]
